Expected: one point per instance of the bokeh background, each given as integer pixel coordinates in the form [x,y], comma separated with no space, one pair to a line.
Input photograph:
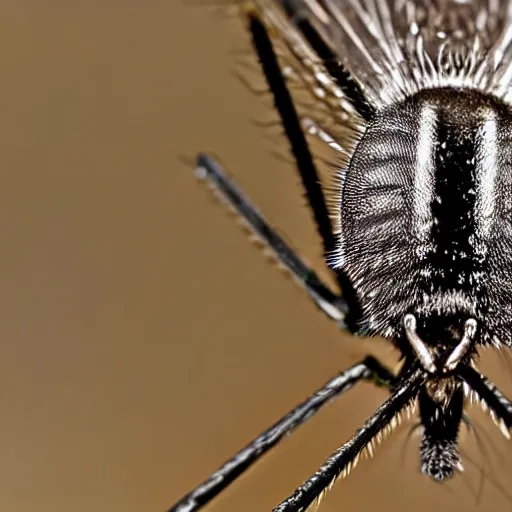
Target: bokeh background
[143,338]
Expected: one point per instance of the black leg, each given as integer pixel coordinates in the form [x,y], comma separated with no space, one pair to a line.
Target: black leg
[346,456]
[332,305]
[351,89]
[490,398]
[368,369]
[292,127]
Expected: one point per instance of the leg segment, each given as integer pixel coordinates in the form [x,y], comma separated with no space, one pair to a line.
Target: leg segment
[368,369]
[292,127]
[332,305]
[345,457]
[351,89]
[491,399]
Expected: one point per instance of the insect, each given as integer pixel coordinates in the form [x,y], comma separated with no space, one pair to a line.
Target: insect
[421,246]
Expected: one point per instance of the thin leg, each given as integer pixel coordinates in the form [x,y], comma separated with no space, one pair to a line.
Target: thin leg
[351,89]
[332,305]
[490,397]
[292,127]
[345,457]
[369,369]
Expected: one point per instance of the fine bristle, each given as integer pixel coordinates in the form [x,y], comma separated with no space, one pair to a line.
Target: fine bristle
[369,450]
[395,48]
[475,399]
[439,458]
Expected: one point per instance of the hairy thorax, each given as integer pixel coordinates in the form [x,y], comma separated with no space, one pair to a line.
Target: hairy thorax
[426,217]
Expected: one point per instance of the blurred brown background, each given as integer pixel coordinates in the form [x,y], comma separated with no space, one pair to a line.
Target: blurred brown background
[144,340]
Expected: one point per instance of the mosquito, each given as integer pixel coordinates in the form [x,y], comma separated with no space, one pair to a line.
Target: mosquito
[421,243]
